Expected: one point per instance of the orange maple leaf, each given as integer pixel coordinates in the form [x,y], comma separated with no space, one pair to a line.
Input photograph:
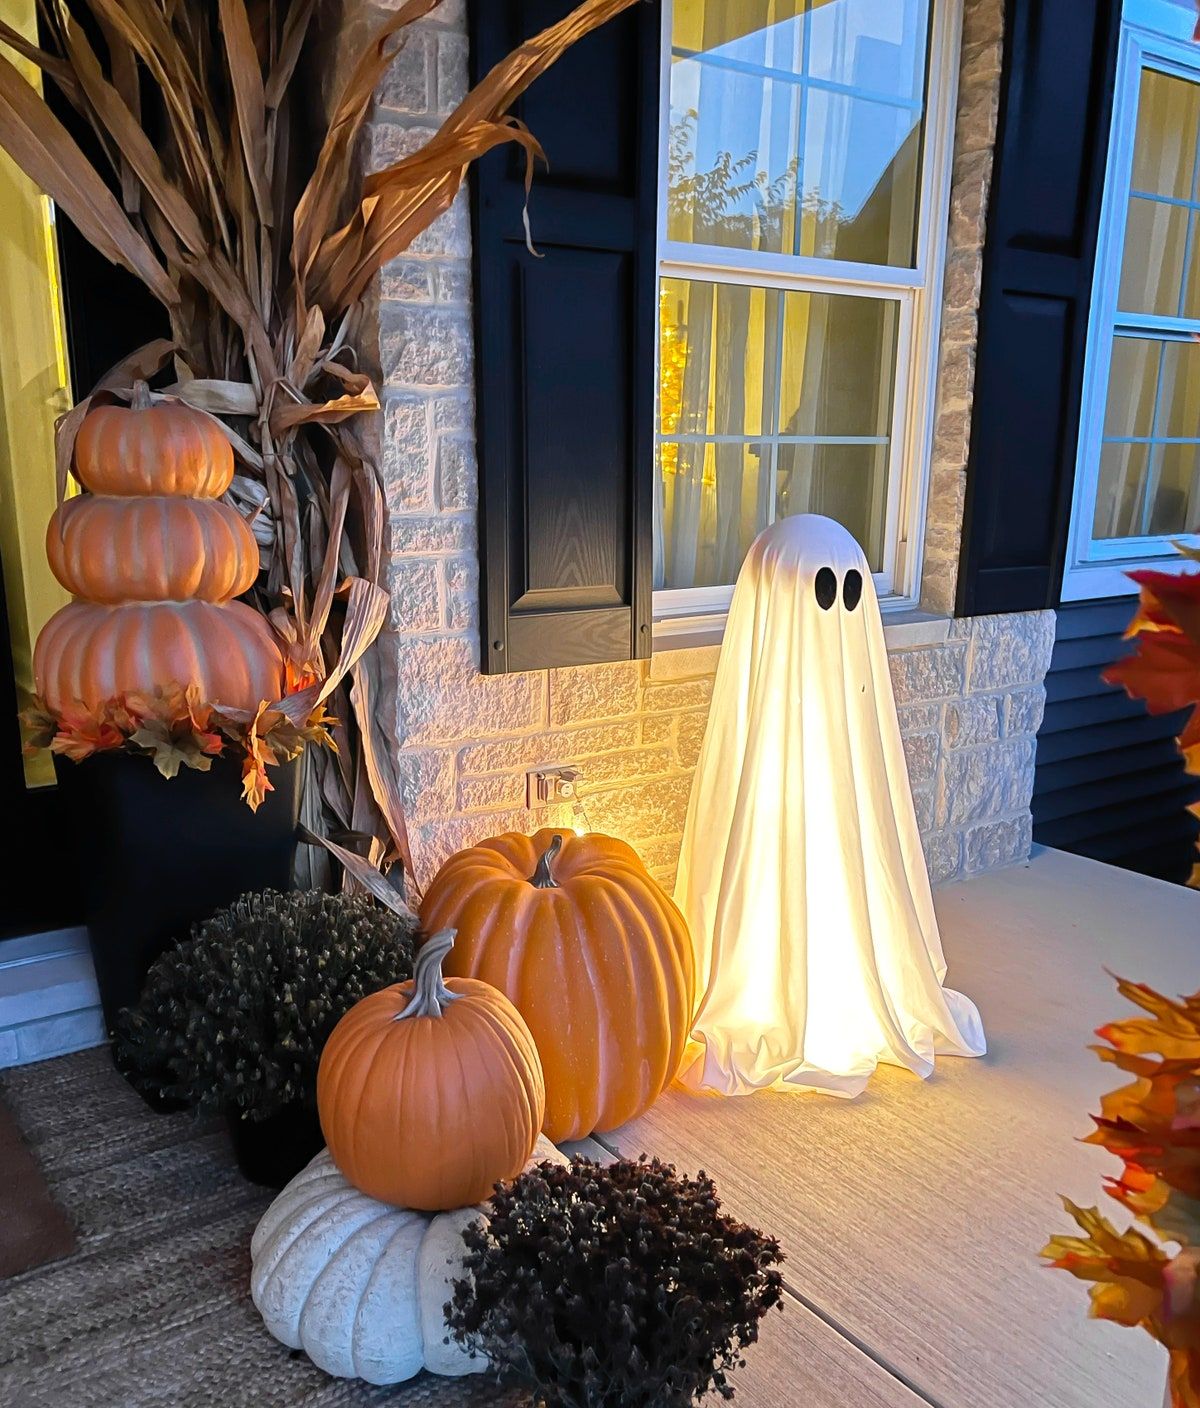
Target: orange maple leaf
[259,755]
[1164,670]
[1169,598]
[82,733]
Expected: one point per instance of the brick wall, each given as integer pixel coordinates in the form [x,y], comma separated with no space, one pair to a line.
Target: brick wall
[970,702]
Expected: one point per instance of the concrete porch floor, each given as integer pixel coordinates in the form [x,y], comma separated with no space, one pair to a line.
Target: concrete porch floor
[912,1217]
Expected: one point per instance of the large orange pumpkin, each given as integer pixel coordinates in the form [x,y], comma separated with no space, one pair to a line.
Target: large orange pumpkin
[431,1091]
[161,448]
[594,956]
[155,562]
[159,548]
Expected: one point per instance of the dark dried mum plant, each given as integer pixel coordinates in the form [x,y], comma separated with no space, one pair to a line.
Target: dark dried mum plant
[614,1287]
[260,244]
[234,1018]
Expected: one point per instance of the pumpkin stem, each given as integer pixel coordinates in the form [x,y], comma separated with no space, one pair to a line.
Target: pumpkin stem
[542,878]
[140,400]
[430,993]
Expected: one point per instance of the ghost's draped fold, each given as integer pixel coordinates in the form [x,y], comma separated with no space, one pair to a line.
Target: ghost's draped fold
[801,873]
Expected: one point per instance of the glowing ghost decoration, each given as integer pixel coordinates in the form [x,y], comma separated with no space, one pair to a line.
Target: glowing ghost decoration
[802,875]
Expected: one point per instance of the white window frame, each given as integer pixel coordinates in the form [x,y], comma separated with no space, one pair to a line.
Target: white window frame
[1099,568]
[918,293]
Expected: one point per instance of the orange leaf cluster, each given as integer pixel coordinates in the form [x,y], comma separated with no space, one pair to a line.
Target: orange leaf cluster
[176,728]
[1153,1126]
[1164,667]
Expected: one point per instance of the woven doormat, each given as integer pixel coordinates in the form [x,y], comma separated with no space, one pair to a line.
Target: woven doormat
[33,1228]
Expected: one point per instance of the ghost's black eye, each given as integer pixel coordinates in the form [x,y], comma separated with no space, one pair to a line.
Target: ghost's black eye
[826,588]
[852,589]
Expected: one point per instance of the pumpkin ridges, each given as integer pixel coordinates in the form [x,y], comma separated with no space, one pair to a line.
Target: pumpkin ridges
[405,1326]
[391,1079]
[333,1082]
[373,1237]
[167,448]
[602,949]
[497,1032]
[668,956]
[326,1225]
[593,1076]
[644,1013]
[360,1015]
[89,652]
[536,968]
[475,1027]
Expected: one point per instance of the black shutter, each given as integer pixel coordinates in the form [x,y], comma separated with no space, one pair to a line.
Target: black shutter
[1043,215]
[564,348]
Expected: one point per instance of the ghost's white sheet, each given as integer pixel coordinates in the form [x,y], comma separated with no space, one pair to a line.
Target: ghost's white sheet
[801,874]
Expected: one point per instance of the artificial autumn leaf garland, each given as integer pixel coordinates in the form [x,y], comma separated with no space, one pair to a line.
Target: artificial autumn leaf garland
[1153,1126]
[176,728]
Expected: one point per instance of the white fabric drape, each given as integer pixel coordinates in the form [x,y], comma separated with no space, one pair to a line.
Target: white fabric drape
[801,874]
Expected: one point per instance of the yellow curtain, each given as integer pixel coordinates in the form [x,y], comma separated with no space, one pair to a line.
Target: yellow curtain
[33,391]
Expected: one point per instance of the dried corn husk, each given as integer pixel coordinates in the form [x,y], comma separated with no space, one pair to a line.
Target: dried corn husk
[261,273]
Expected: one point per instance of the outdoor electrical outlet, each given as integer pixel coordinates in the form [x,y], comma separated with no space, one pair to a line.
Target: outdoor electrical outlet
[544,786]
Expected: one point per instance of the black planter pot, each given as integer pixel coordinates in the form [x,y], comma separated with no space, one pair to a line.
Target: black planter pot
[273,1151]
[156,854]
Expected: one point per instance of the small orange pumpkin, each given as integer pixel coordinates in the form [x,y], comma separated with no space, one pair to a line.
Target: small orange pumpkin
[158,548]
[431,1091]
[89,653]
[594,956]
[164,448]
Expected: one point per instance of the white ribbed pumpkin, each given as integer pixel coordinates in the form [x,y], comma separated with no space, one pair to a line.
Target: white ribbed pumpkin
[358,1285]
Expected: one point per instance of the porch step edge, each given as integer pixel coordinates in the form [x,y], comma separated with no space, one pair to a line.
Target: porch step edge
[49,1002]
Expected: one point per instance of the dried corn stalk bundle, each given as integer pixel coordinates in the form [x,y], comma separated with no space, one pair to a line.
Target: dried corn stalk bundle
[260,251]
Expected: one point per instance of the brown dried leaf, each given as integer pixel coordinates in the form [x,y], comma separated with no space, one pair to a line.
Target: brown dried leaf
[42,148]
[291,42]
[380,774]
[400,202]
[323,195]
[52,66]
[138,152]
[362,870]
[247,81]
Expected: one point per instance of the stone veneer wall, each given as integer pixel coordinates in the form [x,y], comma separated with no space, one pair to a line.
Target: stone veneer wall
[970,704]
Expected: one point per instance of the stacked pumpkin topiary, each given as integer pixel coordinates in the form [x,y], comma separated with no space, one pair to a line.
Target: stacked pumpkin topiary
[154,560]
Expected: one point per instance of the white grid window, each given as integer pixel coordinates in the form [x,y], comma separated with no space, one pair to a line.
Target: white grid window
[805,146]
[1137,480]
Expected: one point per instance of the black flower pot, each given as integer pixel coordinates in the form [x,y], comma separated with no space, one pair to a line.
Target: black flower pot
[156,854]
[273,1151]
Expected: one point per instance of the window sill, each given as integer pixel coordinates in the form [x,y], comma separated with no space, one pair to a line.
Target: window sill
[904,628]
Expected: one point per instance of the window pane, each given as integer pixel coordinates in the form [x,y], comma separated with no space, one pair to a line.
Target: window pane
[1152,265]
[1178,413]
[1164,157]
[837,363]
[1132,382]
[771,403]
[1173,497]
[1149,488]
[1121,491]
[846,482]
[786,105]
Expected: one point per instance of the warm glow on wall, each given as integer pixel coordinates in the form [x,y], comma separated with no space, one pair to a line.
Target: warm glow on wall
[802,875]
